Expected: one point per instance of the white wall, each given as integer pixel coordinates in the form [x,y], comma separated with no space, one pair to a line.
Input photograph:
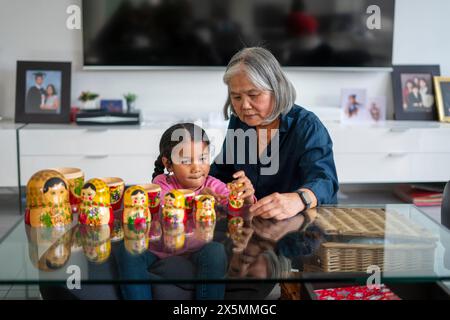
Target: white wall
[35,30]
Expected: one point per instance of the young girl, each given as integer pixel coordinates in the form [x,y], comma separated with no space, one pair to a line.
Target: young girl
[188,162]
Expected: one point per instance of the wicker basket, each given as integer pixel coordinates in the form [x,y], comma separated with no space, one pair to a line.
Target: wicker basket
[412,251]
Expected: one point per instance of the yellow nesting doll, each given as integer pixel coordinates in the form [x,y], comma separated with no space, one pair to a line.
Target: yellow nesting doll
[136,209]
[235,202]
[48,200]
[173,210]
[95,208]
[205,208]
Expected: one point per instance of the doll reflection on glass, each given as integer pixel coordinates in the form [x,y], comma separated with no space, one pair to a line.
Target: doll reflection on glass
[56,244]
[59,253]
[136,237]
[204,230]
[174,237]
[96,242]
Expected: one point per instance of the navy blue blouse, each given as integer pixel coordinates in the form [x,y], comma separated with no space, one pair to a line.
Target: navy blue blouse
[305,158]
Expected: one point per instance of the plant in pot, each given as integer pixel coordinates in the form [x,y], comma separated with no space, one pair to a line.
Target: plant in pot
[88,100]
[130,99]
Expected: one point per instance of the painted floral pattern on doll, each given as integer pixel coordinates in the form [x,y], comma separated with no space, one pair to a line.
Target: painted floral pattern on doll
[173,210]
[136,210]
[205,208]
[48,200]
[235,202]
[95,207]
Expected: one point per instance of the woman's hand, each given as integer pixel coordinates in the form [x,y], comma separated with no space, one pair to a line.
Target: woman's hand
[246,191]
[278,206]
[275,230]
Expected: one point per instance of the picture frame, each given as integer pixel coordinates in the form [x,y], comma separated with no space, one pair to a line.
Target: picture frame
[442,88]
[43,92]
[110,105]
[413,90]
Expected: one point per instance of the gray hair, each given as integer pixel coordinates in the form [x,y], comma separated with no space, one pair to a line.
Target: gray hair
[265,72]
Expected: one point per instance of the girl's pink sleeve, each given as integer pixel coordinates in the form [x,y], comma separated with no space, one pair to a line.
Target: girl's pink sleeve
[218,187]
[166,186]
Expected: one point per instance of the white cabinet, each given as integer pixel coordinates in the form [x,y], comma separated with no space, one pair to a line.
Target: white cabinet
[8,155]
[128,152]
[391,152]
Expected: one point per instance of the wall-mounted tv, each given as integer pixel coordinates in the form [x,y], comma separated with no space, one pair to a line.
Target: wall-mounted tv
[206,33]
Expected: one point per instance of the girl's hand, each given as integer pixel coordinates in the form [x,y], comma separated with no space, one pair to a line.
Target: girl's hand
[246,191]
[208,191]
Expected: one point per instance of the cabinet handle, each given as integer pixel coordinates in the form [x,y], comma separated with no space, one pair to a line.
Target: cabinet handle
[94,130]
[97,156]
[399,130]
[397,154]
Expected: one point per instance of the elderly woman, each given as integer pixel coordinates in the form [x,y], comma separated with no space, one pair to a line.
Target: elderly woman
[290,165]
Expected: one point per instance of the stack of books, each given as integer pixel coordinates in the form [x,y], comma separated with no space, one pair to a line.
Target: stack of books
[421,195]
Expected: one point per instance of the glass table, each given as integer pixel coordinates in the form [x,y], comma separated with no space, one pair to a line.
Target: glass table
[326,247]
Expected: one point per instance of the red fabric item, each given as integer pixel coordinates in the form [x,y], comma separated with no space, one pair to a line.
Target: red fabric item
[356,293]
[302,24]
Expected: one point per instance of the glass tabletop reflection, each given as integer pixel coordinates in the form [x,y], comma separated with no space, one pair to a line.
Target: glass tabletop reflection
[328,243]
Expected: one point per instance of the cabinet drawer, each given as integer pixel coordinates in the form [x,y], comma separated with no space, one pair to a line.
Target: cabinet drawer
[89,142]
[373,168]
[430,167]
[433,140]
[132,169]
[372,140]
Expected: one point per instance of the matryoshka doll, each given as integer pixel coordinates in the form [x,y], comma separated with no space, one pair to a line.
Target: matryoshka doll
[116,189]
[174,237]
[95,209]
[75,177]
[235,202]
[48,200]
[136,206]
[136,237]
[96,242]
[173,210]
[204,208]
[153,193]
[189,200]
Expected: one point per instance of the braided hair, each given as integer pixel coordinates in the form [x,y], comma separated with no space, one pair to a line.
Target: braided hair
[166,143]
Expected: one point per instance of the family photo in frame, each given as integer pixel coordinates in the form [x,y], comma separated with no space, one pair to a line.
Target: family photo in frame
[43,92]
[414,96]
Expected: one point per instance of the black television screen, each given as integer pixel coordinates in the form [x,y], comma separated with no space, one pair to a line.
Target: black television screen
[300,33]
